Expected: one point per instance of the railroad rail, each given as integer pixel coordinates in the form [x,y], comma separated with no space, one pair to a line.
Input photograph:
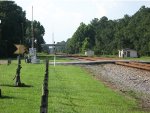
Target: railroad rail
[137,65]
[86,58]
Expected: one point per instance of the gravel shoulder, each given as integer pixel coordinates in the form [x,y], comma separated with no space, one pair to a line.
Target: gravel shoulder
[130,81]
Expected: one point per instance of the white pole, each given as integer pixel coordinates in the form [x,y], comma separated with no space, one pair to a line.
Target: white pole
[54,60]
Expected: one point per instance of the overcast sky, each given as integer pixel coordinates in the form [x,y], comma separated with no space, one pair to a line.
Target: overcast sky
[64,16]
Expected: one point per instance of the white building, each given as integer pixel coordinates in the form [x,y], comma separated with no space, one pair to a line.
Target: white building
[128,53]
[89,53]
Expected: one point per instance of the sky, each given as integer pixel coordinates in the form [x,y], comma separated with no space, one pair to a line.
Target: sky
[63,17]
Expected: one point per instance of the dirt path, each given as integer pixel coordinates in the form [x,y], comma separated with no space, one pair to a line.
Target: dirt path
[3,61]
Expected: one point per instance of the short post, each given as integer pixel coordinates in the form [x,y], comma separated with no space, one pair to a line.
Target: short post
[9,61]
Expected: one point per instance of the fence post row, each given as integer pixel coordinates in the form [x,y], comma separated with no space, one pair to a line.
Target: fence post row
[44,97]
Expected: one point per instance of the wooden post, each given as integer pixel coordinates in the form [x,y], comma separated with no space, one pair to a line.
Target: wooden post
[44,97]
[18,80]
[0,93]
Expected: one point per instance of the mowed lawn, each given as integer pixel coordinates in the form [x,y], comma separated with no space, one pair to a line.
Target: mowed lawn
[71,90]
[21,99]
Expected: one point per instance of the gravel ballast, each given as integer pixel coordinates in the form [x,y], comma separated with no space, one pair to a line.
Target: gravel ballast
[125,79]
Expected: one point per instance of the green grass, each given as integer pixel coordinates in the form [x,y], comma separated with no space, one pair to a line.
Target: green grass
[71,90]
[108,56]
[143,58]
[21,99]
[58,58]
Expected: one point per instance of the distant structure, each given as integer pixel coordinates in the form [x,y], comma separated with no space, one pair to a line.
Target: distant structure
[128,53]
[89,53]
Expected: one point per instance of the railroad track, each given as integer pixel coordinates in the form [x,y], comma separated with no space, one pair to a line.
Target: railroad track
[94,58]
[137,65]
[132,64]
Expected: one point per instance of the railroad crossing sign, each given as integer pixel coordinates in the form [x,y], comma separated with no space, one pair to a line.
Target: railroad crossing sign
[20,49]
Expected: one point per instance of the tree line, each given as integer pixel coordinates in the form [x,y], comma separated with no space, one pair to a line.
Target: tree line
[16,29]
[106,36]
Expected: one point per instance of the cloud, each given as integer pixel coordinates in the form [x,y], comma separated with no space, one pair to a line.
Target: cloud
[64,16]
[100,8]
[101,11]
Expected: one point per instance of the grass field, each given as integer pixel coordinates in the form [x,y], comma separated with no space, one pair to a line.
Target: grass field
[21,99]
[71,90]
[144,58]
[57,58]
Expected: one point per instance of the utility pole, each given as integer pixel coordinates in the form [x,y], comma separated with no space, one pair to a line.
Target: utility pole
[32,30]
[22,33]
[32,50]
[0,31]
[0,42]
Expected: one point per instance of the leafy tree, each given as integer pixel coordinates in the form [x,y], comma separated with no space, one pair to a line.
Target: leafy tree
[16,29]
[70,49]
[38,33]
[108,36]
[12,18]
[61,47]
[86,44]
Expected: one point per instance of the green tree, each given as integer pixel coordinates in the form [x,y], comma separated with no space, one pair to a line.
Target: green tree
[70,46]
[108,36]
[61,47]
[38,33]
[12,18]
[86,44]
